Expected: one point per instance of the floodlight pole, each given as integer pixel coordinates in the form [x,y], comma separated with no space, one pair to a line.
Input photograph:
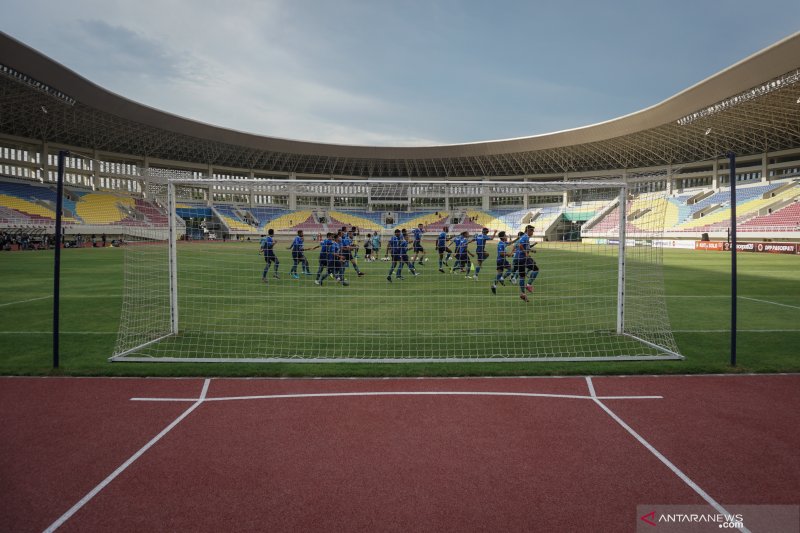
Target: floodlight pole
[732,169]
[62,155]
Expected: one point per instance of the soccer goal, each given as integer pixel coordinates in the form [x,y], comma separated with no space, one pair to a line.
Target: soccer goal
[563,271]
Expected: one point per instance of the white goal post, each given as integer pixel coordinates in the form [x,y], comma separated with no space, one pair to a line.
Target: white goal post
[585,288]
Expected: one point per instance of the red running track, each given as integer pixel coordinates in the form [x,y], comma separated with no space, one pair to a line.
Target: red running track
[391,461]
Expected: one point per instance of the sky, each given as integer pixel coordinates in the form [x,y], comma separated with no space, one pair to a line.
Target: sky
[403,72]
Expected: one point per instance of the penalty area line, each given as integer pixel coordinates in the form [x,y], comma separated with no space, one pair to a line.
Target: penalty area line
[83,501]
[26,301]
[398,393]
[769,302]
[700,492]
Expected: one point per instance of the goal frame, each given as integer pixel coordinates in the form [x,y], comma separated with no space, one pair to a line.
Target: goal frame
[529,187]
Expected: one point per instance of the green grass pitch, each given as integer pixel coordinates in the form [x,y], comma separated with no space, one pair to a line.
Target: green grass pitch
[697,295]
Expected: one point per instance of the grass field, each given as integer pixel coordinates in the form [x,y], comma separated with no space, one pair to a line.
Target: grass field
[697,298]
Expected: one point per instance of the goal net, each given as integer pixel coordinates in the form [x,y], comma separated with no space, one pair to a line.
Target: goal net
[576,285]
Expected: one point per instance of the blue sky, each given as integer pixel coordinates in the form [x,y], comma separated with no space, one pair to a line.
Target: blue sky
[398,73]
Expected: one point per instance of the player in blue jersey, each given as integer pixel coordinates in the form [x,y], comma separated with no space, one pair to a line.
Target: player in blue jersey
[299,256]
[523,262]
[462,254]
[395,250]
[503,266]
[404,255]
[349,248]
[441,248]
[268,249]
[336,259]
[324,255]
[419,251]
[480,252]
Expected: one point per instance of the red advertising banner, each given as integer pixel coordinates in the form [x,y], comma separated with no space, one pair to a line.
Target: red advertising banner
[758,247]
[708,245]
[777,247]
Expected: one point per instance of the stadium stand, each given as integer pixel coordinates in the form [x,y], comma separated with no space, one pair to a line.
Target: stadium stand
[339,218]
[187,210]
[33,203]
[786,218]
[229,216]
[489,220]
[430,220]
[106,208]
[266,214]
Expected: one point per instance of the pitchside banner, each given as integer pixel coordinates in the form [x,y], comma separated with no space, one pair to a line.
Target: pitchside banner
[759,247]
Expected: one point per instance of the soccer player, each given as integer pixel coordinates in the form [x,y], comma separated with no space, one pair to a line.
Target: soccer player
[503,266]
[324,253]
[462,254]
[267,248]
[336,260]
[368,248]
[419,251]
[404,255]
[376,246]
[347,253]
[480,252]
[441,247]
[395,250]
[299,256]
[521,263]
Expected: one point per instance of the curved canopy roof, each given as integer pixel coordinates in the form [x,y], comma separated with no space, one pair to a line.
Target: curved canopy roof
[751,107]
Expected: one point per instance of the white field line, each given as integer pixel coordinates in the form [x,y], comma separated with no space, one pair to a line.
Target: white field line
[397,393]
[703,494]
[26,301]
[769,302]
[378,334]
[75,508]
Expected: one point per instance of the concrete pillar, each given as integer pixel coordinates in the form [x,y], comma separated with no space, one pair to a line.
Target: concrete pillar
[715,176]
[525,197]
[45,162]
[292,193]
[95,179]
[485,196]
[764,172]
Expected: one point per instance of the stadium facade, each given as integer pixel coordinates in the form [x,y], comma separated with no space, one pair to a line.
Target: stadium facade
[751,108]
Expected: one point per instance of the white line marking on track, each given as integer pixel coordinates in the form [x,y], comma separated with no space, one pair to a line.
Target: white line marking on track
[75,508]
[703,494]
[768,302]
[398,393]
[26,301]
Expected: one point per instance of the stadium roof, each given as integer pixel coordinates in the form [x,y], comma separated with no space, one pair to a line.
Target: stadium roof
[751,107]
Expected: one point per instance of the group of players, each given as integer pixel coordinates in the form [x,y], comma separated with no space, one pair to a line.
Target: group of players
[339,251]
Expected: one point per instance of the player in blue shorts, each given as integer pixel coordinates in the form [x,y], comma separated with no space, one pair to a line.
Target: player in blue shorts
[480,252]
[324,256]
[299,256]
[462,254]
[419,251]
[348,252]
[394,248]
[503,266]
[521,262]
[268,249]
[336,259]
[441,248]
[404,255]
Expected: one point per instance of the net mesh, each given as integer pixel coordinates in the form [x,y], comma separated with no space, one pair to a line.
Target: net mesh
[431,307]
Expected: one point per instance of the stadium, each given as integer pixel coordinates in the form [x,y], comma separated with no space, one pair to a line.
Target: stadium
[181,259]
